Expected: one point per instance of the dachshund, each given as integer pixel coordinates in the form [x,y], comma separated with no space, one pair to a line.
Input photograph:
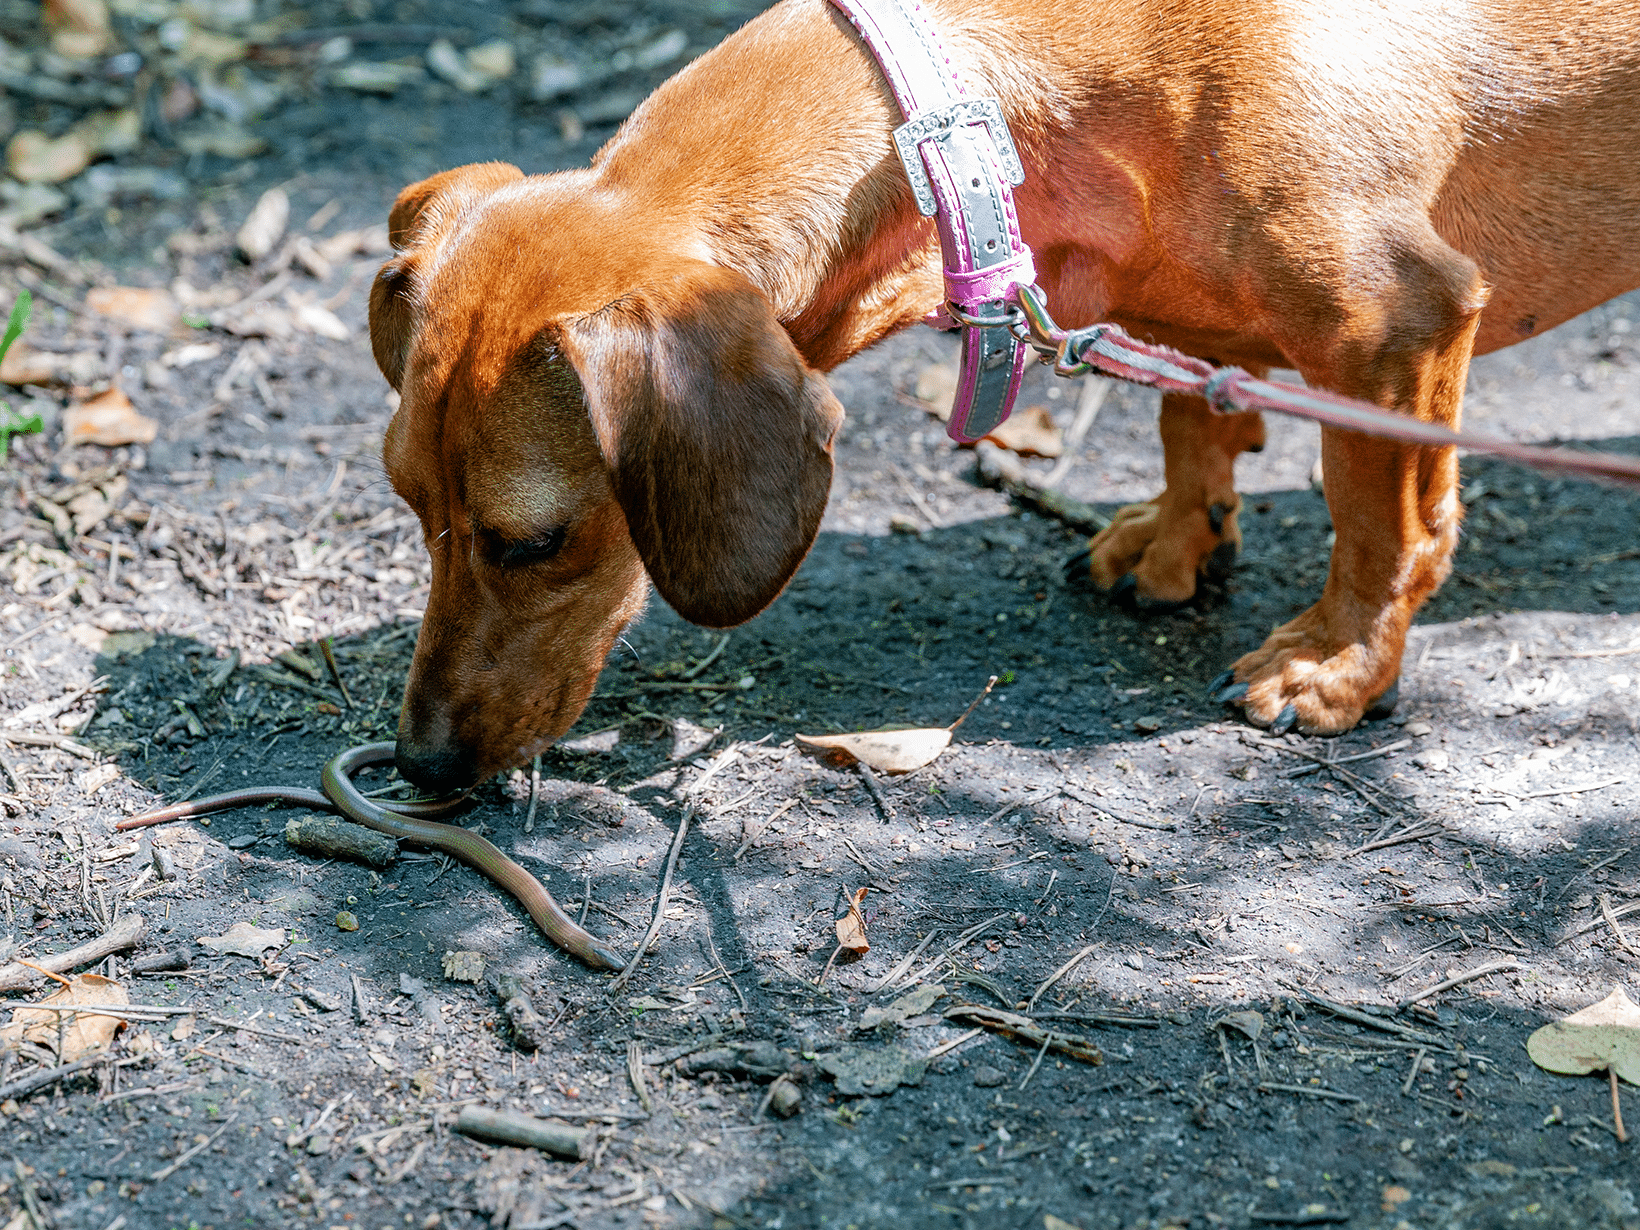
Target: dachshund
[614,375]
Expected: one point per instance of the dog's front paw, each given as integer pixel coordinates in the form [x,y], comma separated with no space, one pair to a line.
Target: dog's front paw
[1152,556]
[1308,678]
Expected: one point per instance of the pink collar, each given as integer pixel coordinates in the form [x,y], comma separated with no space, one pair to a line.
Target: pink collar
[961,160]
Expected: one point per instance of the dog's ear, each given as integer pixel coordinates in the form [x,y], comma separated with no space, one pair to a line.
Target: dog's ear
[717,436]
[419,215]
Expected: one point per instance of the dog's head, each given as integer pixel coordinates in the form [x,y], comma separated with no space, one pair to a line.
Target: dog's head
[584,398]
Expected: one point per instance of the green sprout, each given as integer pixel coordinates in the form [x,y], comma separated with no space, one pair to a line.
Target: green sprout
[12,423]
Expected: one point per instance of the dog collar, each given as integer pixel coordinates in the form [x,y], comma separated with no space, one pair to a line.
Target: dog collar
[960,159]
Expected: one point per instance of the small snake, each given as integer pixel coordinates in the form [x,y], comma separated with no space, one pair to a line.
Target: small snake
[407,822]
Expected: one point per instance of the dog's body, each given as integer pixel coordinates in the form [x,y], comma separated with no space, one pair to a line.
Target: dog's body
[614,370]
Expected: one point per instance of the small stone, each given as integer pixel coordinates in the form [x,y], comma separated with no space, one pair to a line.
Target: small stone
[1147,725]
[785,1099]
[318,1144]
[1417,729]
[345,921]
[1436,760]
[987,1077]
[899,523]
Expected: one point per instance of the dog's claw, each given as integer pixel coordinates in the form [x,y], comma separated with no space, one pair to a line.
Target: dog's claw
[1078,566]
[1125,593]
[1285,720]
[1221,562]
[1385,704]
[1230,694]
[1222,679]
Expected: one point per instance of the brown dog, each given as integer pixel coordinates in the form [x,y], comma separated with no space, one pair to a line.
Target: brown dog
[615,371]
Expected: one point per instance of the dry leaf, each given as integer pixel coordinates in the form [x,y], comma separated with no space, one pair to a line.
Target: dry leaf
[244,940]
[937,385]
[184,1029]
[887,751]
[138,306]
[1249,1024]
[464,966]
[108,419]
[80,1034]
[1600,1037]
[851,927]
[1030,432]
[265,225]
[891,751]
[913,1004]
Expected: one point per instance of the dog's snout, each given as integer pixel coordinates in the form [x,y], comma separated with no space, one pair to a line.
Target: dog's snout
[439,771]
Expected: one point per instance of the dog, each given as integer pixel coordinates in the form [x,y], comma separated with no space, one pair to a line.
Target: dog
[615,375]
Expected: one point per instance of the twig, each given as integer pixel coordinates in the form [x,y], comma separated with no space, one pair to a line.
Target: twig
[586,900]
[1480,971]
[976,930]
[904,963]
[125,932]
[159,1176]
[763,828]
[1087,409]
[634,1072]
[1416,832]
[1037,1062]
[945,1048]
[42,1077]
[1059,973]
[1307,1091]
[535,797]
[1617,1109]
[694,671]
[226,1023]
[1412,1076]
[1369,755]
[870,780]
[621,979]
[1611,921]
[335,670]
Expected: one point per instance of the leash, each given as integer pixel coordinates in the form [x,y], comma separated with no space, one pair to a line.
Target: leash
[962,165]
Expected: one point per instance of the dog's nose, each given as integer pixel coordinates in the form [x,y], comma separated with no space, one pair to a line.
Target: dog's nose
[439,771]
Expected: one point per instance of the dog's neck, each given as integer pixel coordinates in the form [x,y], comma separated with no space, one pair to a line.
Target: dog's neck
[825,227]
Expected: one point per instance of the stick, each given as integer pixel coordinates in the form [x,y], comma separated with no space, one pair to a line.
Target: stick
[42,1077]
[1037,1062]
[1611,921]
[870,780]
[1023,1029]
[125,933]
[1416,832]
[535,797]
[945,1048]
[1377,751]
[621,979]
[1057,975]
[1412,1076]
[1480,971]
[1617,1110]
[1087,409]
[1307,1091]
[904,963]
[335,670]
[634,1072]
[511,1128]
[764,827]
[159,1176]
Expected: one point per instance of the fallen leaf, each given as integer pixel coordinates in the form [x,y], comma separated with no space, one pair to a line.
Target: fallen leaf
[1030,432]
[937,386]
[138,306]
[877,1071]
[318,319]
[265,225]
[891,751]
[887,751]
[380,1060]
[244,940]
[79,1034]
[1249,1024]
[1600,1037]
[913,1004]
[184,1029]
[108,419]
[851,927]
[80,29]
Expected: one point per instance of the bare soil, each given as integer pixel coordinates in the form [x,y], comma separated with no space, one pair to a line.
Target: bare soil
[1094,806]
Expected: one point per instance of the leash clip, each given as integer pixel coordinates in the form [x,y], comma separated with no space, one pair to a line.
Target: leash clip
[939,122]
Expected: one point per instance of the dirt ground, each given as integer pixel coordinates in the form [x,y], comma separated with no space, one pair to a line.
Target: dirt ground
[1101,850]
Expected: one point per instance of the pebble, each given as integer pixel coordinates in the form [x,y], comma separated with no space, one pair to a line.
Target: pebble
[987,1077]
[318,1144]
[1435,761]
[244,841]
[1418,729]
[346,921]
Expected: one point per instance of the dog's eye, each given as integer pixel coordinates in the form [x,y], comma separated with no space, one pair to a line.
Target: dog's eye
[531,551]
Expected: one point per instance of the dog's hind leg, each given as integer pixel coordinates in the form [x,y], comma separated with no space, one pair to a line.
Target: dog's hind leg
[1395,508]
[1151,555]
